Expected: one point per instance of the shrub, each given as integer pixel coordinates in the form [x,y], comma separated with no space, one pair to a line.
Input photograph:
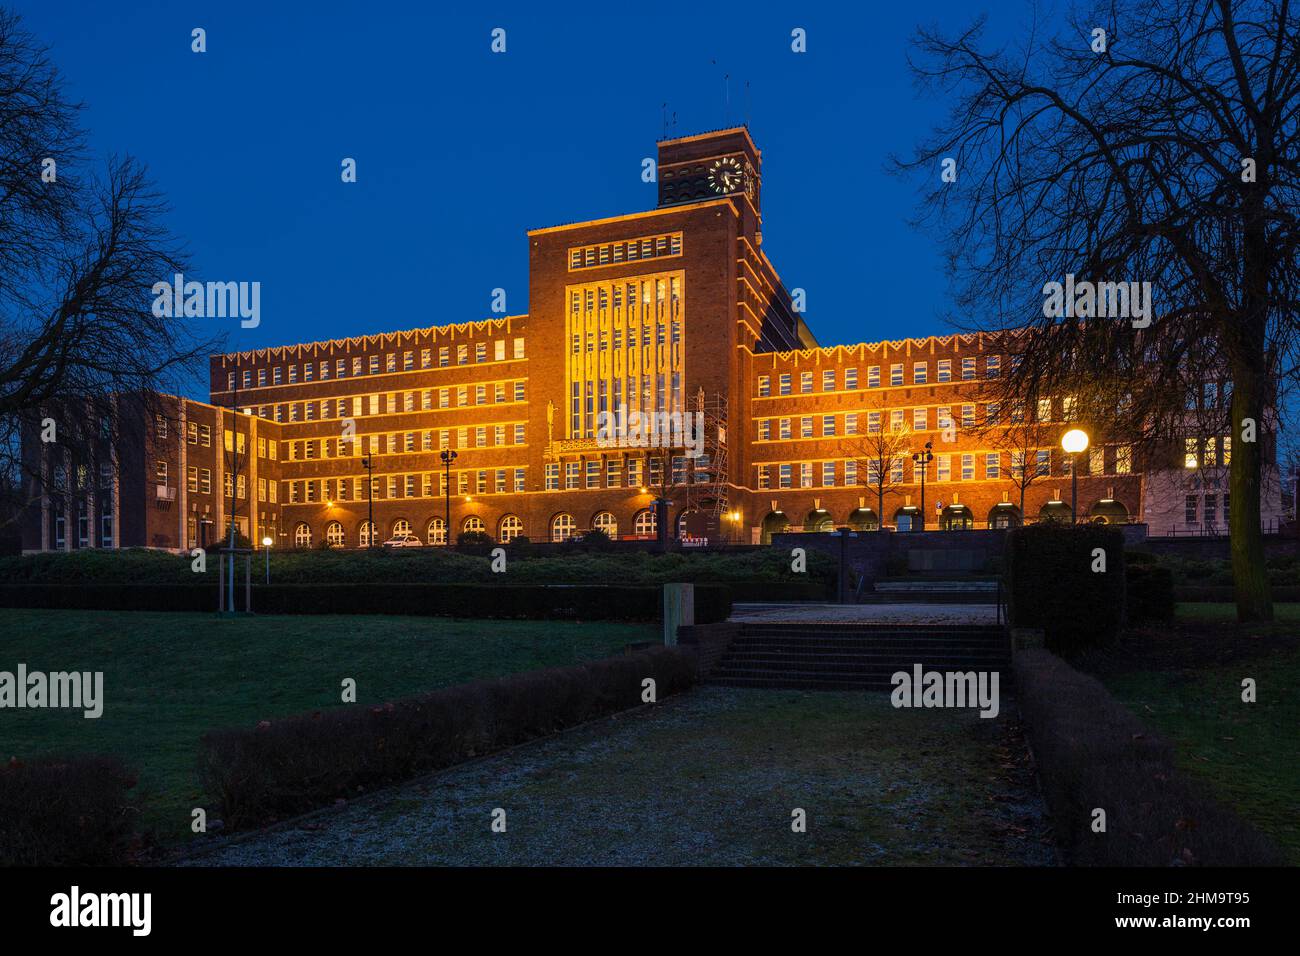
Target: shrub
[1092,752]
[521,546]
[65,811]
[475,542]
[1148,593]
[285,767]
[1051,584]
[1224,593]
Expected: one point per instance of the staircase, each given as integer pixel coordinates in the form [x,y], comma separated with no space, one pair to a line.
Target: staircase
[815,656]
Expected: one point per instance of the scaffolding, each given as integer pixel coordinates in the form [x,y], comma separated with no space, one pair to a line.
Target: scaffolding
[707,488]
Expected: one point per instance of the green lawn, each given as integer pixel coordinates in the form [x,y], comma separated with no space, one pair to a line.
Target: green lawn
[168,678]
[1248,755]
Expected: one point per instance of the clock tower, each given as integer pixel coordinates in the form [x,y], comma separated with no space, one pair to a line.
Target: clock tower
[724,163]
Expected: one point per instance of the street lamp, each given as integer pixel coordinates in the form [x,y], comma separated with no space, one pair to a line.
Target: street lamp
[368,463]
[266,544]
[1074,441]
[923,458]
[447,456]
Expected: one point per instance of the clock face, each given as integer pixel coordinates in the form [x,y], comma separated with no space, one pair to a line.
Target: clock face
[725,176]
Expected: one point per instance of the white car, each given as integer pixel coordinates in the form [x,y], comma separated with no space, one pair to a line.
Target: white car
[403,541]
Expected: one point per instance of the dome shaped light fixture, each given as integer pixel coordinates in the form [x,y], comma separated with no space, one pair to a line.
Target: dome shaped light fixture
[1075,441]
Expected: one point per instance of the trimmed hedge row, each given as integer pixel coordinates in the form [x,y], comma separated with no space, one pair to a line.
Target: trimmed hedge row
[1224,594]
[760,591]
[580,602]
[1093,753]
[286,767]
[1051,583]
[65,811]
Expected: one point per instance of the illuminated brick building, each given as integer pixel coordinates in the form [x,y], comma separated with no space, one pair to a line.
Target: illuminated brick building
[673,309]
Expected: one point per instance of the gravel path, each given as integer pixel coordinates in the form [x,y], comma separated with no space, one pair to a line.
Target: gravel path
[711,777]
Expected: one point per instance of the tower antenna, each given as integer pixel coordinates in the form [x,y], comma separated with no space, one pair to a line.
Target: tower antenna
[747,104]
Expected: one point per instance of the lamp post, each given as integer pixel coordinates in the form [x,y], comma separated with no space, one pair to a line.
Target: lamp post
[266,544]
[368,463]
[447,456]
[1074,441]
[923,458]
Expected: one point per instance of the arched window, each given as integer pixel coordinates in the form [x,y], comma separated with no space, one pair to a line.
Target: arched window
[302,535]
[562,527]
[437,531]
[607,523]
[335,535]
[511,528]
[400,527]
[643,523]
[474,523]
[367,534]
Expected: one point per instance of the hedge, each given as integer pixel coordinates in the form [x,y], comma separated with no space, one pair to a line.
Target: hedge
[1093,753]
[65,811]
[1148,593]
[579,602]
[285,767]
[760,591]
[1225,594]
[1051,583]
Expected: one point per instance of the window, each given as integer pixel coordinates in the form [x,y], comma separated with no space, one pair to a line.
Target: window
[851,423]
[764,429]
[805,474]
[850,378]
[1044,409]
[785,384]
[828,380]
[511,526]
[645,523]
[850,472]
[873,423]
[943,467]
[302,535]
[562,526]
[519,348]
[192,479]
[335,536]
[764,386]
[828,425]
[607,523]
[784,428]
[992,465]
[160,426]
[806,427]
[897,417]
[828,473]
[805,382]
[366,535]
[945,370]
[1190,509]
[436,532]
[896,374]
[873,377]
[967,467]
[1190,457]
[920,373]
[993,366]
[764,478]
[786,474]
[920,419]
[160,472]
[1211,509]
[968,369]
[1044,463]
[968,416]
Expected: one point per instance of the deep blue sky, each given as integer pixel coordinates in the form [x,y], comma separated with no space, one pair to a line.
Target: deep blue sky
[460,151]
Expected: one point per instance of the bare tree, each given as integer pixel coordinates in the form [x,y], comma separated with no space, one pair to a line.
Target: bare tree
[881,452]
[79,255]
[1024,439]
[1164,150]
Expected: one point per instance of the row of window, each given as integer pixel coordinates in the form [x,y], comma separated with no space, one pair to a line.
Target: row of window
[847,379]
[361,365]
[628,250]
[396,443]
[562,527]
[609,473]
[1199,509]
[960,467]
[420,485]
[392,403]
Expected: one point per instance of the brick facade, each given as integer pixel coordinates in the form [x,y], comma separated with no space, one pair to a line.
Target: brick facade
[661,309]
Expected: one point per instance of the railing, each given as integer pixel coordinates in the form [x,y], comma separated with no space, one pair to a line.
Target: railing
[1272,526]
